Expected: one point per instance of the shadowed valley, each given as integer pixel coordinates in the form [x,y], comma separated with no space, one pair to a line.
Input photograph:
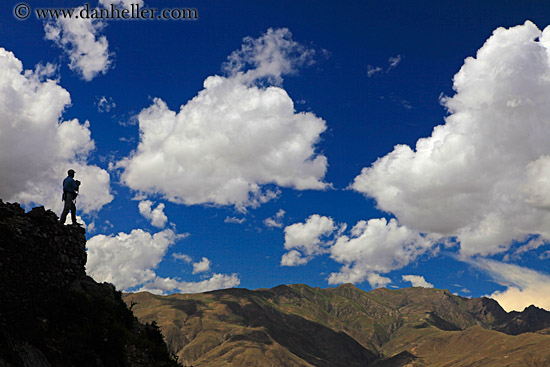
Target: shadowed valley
[52,314]
[296,325]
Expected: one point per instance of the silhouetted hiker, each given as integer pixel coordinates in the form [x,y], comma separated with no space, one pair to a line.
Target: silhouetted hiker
[70,192]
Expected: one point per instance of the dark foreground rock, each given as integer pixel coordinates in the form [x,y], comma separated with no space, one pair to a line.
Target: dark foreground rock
[51,313]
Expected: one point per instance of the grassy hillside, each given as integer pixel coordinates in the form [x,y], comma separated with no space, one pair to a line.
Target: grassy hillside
[297,325]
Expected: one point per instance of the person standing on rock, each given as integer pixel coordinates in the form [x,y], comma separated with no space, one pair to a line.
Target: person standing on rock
[70,192]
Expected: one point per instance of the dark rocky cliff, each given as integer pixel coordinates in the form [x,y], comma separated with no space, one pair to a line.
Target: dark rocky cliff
[51,313]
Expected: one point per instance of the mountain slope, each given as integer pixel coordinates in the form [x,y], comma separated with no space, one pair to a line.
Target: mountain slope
[51,313]
[472,347]
[246,328]
[296,325]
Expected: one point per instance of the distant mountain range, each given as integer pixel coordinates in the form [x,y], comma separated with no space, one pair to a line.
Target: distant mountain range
[299,326]
[52,314]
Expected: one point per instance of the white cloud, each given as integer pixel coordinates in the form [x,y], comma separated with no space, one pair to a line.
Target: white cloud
[371,248]
[376,247]
[371,70]
[483,176]
[271,222]
[127,260]
[533,244]
[305,240]
[37,148]
[400,101]
[201,266]
[234,138]
[80,39]
[130,260]
[276,221]
[374,279]
[294,258]
[105,104]
[156,216]
[271,56]
[234,220]
[525,286]
[184,257]
[417,281]
[393,62]
[47,71]
[170,285]
[356,275]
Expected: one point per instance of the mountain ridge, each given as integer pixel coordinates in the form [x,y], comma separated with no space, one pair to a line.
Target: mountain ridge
[52,314]
[390,327]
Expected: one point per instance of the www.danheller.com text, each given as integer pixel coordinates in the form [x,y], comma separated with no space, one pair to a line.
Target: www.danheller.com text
[135,11]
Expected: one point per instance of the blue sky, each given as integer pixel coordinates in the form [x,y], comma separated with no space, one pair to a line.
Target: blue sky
[291,142]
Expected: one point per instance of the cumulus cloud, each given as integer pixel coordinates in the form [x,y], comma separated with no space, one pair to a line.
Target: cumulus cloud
[305,240]
[375,280]
[369,249]
[80,39]
[170,285]
[156,216]
[525,286]
[201,266]
[417,281]
[129,261]
[276,221]
[294,258]
[482,177]
[271,56]
[37,147]
[374,247]
[235,142]
[47,71]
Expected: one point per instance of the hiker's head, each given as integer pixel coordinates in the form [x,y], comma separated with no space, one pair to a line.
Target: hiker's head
[71,172]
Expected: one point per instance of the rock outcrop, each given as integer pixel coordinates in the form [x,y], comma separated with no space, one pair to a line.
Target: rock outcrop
[37,255]
[51,313]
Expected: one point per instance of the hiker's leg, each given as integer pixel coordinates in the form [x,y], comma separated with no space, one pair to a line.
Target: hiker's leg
[66,209]
[73,212]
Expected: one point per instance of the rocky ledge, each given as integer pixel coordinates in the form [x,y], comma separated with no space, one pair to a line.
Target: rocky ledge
[51,313]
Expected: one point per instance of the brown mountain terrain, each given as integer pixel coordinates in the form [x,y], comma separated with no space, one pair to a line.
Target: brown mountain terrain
[296,325]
